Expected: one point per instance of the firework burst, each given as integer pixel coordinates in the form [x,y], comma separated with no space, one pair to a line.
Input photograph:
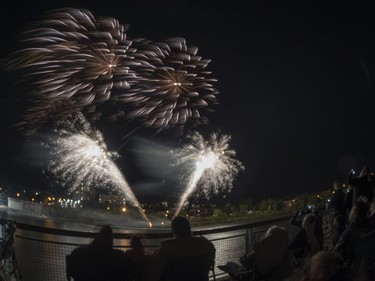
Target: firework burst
[71,56]
[76,62]
[80,156]
[212,165]
[175,88]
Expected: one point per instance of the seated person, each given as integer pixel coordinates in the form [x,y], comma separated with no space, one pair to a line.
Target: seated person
[270,259]
[324,266]
[184,258]
[305,244]
[98,261]
[137,256]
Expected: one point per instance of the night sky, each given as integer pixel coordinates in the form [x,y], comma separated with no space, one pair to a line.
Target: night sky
[296,82]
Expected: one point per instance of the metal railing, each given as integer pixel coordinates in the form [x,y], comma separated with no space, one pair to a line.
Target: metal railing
[41,251]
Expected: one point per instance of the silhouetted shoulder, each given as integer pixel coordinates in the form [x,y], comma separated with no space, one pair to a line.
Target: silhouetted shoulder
[80,251]
[118,254]
[168,242]
[202,242]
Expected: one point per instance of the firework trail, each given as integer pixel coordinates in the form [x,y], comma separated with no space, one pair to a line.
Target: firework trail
[212,163]
[79,155]
[174,88]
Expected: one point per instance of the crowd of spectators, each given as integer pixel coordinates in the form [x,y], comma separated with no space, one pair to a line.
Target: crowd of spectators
[345,252]
[186,257]
[302,251]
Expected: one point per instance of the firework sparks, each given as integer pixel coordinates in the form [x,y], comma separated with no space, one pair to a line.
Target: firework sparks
[213,166]
[79,155]
[76,62]
[71,56]
[175,86]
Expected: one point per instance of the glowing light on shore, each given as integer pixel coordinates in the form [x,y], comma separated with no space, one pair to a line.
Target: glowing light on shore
[212,165]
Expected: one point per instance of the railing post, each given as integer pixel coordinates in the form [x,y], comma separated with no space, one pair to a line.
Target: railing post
[249,239]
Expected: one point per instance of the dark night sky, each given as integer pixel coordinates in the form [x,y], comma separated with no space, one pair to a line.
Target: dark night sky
[296,80]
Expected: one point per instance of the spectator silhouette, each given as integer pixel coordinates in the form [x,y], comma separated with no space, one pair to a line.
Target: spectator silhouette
[371,213]
[337,205]
[98,261]
[305,244]
[270,260]
[324,266]
[348,200]
[8,254]
[137,256]
[297,219]
[318,232]
[184,258]
[362,185]
[357,243]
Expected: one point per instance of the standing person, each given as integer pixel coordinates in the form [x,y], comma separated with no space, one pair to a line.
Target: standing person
[371,213]
[9,271]
[337,205]
[318,232]
[362,185]
[98,261]
[137,256]
[184,258]
[357,243]
[348,200]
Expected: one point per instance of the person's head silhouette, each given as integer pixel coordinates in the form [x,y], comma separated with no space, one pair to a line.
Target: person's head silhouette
[103,241]
[181,227]
[136,242]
